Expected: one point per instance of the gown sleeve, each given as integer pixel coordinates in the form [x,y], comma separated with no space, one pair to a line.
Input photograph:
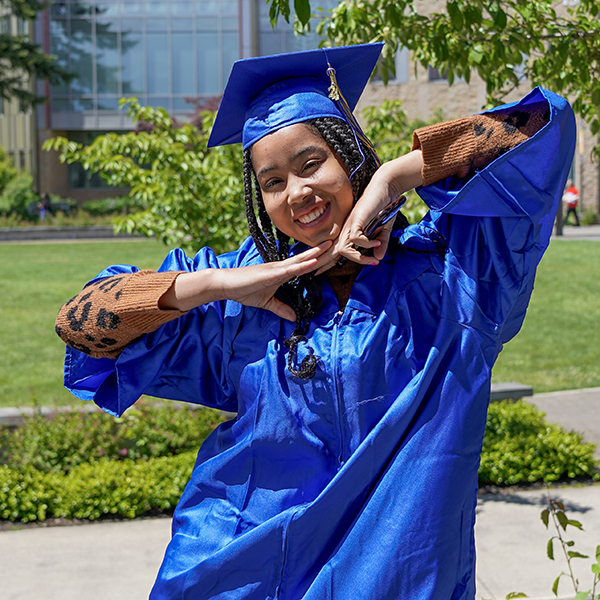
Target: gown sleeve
[183,359]
[497,222]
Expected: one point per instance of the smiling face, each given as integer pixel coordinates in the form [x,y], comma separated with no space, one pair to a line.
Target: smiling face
[305,186]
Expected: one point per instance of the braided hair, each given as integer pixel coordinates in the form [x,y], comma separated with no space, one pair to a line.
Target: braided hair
[303,293]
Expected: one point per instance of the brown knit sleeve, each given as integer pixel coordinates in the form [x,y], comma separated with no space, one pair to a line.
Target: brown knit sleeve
[461,147]
[110,313]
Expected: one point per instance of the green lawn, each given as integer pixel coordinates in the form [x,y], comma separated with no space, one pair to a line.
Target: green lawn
[35,280]
[558,348]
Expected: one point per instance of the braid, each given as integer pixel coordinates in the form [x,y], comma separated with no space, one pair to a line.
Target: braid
[303,293]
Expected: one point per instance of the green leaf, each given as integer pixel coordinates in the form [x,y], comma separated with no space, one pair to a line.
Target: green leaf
[562,519]
[596,96]
[516,595]
[555,585]
[582,595]
[598,554]
[302,8]
[476,54]
[573,554]
[596,568]
[575,524]
[545,516]
[550,549]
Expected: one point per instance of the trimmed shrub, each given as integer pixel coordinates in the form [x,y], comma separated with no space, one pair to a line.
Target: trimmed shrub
[64,440]
[520,446]
[90,491]
[87,466]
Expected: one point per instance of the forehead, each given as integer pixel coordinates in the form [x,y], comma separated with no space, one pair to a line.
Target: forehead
[286,143]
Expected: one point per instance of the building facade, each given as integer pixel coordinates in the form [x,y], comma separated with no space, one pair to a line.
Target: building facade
[170,52]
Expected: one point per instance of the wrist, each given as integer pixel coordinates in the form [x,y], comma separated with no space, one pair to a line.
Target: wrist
[403,173]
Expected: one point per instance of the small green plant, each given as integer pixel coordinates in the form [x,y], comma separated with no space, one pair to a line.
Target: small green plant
[560,520]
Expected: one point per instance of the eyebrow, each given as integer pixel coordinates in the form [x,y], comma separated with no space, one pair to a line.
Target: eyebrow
[305,150]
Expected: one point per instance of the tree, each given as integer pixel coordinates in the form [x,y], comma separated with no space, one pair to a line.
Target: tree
[21,60]
[500,40]
[192,196]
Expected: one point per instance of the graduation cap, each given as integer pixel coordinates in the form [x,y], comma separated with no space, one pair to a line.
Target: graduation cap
[267,93]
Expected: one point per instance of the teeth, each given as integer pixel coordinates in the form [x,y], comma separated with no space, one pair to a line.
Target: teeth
[312,216]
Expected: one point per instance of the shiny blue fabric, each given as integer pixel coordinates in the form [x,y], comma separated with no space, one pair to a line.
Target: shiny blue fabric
[359,484]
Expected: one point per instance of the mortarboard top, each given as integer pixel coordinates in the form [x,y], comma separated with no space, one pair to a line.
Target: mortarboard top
[267,93]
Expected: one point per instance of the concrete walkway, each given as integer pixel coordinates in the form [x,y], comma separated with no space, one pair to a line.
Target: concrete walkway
[585,232]
[119,561]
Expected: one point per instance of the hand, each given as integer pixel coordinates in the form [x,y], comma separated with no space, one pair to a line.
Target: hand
[390,181]
[253,286]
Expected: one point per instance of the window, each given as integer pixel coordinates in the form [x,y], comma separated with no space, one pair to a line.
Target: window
[282,38]
[435,75]
[159,51]
[401,60]
[5,24]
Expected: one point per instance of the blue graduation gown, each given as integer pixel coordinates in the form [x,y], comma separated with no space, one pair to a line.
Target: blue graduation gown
[361,482]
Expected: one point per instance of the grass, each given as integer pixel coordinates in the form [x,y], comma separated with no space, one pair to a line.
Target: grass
[35,280]
[557,348]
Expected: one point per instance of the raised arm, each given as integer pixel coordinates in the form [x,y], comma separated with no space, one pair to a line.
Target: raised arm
[111,312]
[456,148]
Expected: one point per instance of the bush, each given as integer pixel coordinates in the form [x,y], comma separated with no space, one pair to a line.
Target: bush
[520,446]
[90,491]
[85,466]
[65,440]
[18,195]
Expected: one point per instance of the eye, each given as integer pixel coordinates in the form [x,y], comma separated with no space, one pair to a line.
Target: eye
[271,183]
[310,164]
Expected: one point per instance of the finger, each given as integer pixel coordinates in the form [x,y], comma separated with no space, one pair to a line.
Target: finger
[384,238]
[328,265]
[281,310]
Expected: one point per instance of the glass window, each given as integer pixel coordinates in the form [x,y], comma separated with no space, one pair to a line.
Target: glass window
[282,38]
[182,7]
[82,50]
[61,105]
[157,24]
[132,61]
[132,8]
[81,9]
[59,46]
[182,25]
[207,54]
[157,60]
[81,104]
[59,9]
[107,8]
[207,7]
[107,103]
[157,8]
[158,101]
[107,58]
[182,63]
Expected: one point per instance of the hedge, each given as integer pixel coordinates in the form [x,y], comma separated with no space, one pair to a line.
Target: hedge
[82,466]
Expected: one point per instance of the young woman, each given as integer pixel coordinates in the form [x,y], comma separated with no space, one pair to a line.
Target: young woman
[361,390]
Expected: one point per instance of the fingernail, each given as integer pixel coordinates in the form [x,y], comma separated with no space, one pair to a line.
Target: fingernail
[373,264]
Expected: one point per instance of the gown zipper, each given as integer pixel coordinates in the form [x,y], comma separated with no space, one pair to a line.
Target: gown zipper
[335,379]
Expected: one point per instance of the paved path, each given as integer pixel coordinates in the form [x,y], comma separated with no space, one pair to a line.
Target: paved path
[585,232]
[119,561]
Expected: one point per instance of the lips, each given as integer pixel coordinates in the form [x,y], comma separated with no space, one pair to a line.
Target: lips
[313,215]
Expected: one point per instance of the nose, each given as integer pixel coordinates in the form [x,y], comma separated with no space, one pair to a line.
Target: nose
[298,190]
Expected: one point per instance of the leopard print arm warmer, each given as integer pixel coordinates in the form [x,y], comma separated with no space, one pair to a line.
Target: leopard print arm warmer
[110,313]
[461,147]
